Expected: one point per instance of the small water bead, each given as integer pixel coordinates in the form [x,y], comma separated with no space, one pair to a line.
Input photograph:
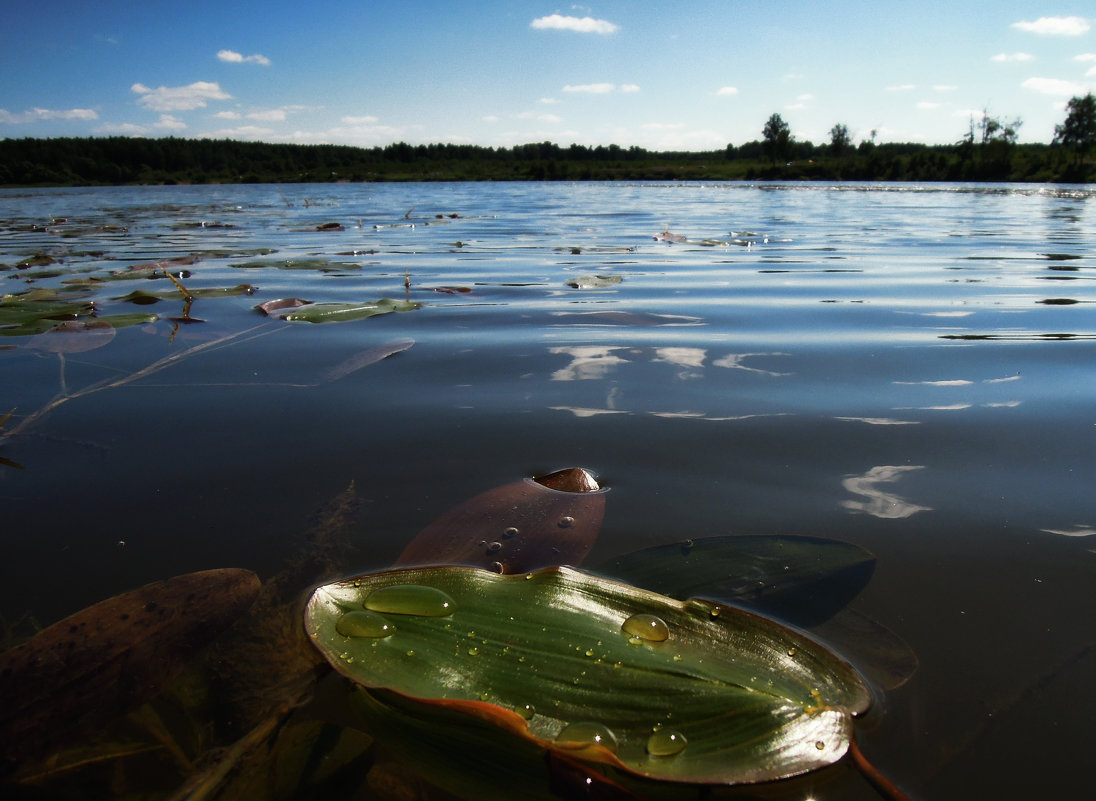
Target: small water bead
[647,627]
[494,547]
[411,599]
[566,522]
[498,567]
[666,742]
[586,733]
[821,746]
[510,532]
[526,711]
[363,624]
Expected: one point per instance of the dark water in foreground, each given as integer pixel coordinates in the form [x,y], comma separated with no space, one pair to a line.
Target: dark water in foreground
[908,368]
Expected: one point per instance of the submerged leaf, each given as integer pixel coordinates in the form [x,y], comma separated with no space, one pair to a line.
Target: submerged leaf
[367,357]
[517,527]
[596,670]
[74,336]
[109,658]
[323,265]
[803,580]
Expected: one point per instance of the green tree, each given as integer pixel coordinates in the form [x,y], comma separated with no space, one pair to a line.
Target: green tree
[840,141]
[777,139]
[1078,132]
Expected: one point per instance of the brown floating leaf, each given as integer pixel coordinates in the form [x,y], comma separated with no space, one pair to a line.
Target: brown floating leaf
[517,527]
[367,357]
[271,306]
[73,336]
[102,661]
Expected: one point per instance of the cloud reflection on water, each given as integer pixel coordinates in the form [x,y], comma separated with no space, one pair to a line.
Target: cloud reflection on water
[880,502]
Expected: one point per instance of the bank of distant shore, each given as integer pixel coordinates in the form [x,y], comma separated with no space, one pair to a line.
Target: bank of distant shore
[102,161]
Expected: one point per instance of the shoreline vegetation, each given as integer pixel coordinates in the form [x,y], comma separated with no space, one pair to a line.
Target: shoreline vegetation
[118,160]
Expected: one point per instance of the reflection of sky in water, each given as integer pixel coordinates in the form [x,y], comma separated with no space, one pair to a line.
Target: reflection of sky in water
[878,501]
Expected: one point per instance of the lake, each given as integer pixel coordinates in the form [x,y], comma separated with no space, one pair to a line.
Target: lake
[909,368]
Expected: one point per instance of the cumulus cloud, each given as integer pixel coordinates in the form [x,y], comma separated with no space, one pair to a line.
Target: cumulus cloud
[232,57]
[179,98]
[169,122]
[629,87]
[725,91]
[1003,57]
[1054,26]
[39,114]
[1054,86]
[548,101]
[557,22]
[590,88]
[367,119]
[122,129]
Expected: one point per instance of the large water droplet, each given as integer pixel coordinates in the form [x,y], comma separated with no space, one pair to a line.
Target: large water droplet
[666,742]
[647,627]
[585,733]
[411,599]
[363,624]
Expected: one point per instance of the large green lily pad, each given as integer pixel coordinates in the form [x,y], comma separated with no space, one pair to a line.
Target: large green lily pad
[343,312]
[597,670]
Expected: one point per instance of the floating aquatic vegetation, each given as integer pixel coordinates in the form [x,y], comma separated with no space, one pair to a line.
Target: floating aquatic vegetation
[595,281]
[320,265]
[143,297]
[521,526]
[597,670]
[309,312]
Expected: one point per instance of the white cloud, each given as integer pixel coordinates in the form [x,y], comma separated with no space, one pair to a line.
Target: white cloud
[179,98]
[725,91]
[488,118]
[367,119]
[1054,86]
[122,129]
[241,132]
[39,114]
[270,115]
[548,101]
[1054,26]
[590,88]
[1003,57]
[629,88]
[1091,72]
[169,122]
[557,22]
[227,115]
[1085,57]
[232,57]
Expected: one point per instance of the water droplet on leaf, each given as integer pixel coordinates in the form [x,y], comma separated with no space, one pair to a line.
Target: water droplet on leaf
[411,599]
[363,624]
[647,627]
[666,742]
[585,733]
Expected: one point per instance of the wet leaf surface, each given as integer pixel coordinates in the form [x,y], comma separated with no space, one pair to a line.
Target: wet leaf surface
[597,670]
[343,312]
[517,527]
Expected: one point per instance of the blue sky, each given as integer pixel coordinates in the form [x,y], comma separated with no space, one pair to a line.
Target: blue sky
[660,75]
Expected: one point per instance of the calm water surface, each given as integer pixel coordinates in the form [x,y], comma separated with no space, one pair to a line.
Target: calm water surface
[908,368]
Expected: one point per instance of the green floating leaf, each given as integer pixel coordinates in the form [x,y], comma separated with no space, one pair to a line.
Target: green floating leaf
[142,297]
[594,281]
[322,265]
[343,312]
[596,670]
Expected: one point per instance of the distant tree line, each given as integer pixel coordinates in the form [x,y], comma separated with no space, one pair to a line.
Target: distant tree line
[989,151]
